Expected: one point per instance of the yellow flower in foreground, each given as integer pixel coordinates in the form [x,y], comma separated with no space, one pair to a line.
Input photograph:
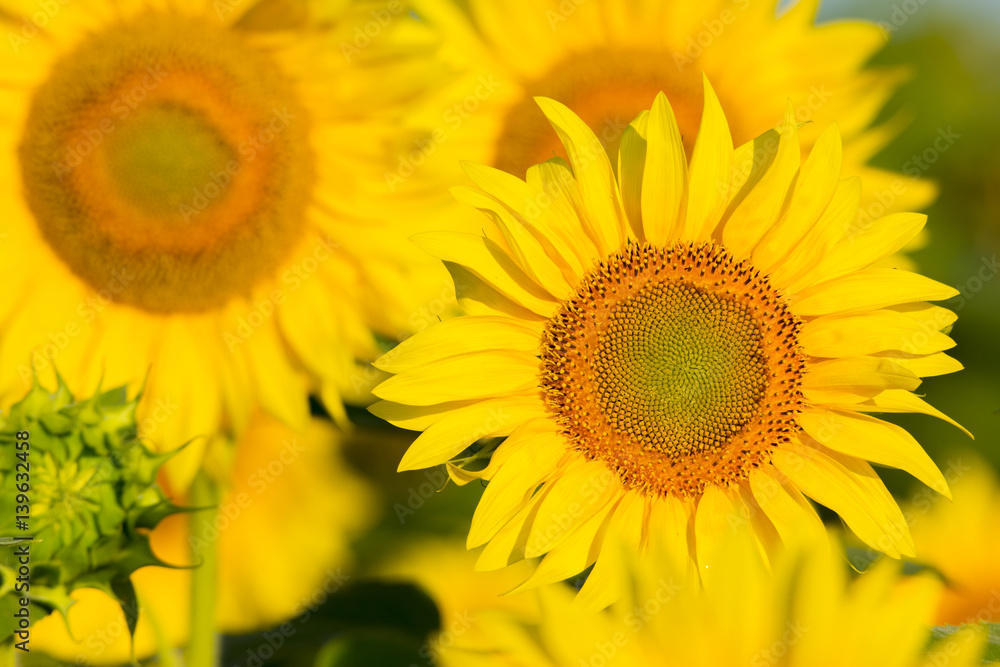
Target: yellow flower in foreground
[671,350]
[284,528]
[606,59]
[184,195]
[962,539]
[804,613]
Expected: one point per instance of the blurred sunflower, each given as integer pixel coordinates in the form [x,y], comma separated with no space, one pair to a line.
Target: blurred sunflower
[804,612]
[182,196]
[962,539]
[261,581]
[446,571]
[671,351]
[607,59]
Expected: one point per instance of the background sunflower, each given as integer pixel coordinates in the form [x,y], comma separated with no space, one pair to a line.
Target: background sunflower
[944,130]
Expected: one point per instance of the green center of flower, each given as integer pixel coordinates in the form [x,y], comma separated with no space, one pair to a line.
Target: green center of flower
[167,162]
[677,367]
[682,368]
[161,155]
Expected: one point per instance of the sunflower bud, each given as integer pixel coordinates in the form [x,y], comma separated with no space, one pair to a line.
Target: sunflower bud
[78,499]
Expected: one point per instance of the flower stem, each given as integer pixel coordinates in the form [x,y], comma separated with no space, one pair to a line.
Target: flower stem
[8,658]
[201,651]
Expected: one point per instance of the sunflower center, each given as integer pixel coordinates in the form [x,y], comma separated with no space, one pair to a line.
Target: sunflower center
[678,367]
[167,162]
[162,155]
[607,89]
[682,368]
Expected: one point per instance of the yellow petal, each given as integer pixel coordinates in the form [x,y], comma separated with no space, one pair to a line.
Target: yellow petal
[865,245]
[849,487]
[462,377]
[927,365]
[631,165]
[489,262]
[516,480]
[809,250]
[859,374]
[667,533]
[874,440]
[761,208]
[455,431]
[606,581]
[526,248]
[711,162]
[416,417]
[793,517]
[458,336]
[898,400]
[556,207]
[575,495]
[721,521]
[869,289]
[507,546]
[664,174]
[592,169]
[833,336]
[576,554]
[814,189]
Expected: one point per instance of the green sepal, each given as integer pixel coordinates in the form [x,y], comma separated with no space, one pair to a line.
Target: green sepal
[53,598]
[151,516]
[124,592]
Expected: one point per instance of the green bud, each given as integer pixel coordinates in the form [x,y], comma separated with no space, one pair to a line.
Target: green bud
[92,499]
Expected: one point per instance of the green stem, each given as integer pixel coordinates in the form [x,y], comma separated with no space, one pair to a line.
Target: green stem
[8,657]
[201,651]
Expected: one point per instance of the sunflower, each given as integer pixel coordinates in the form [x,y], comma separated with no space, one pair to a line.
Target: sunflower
[261,581]
[607,59]
[802,612]
[184,196]
[961,540]
[671,351]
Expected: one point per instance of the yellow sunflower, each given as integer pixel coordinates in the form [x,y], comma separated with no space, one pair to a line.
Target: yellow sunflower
[671,350]
[606,59]
[183,195]
[962,539]
[803,612]
[284,484]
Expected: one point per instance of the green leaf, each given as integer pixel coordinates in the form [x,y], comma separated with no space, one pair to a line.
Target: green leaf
[359,648]
[992,652]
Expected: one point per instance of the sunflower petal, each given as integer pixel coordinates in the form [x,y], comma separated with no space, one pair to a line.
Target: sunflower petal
[849,487]
[664,174]
[451,434]
[463,377]
[874,440]
[869,289]
[593,172]
[711,163]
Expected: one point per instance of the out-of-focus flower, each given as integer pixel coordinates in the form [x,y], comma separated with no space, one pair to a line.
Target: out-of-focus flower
[606,59]
[961,539]
[283,529]
[672,349]
[185,195]
[445,569]
[79,486]
[804,612]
